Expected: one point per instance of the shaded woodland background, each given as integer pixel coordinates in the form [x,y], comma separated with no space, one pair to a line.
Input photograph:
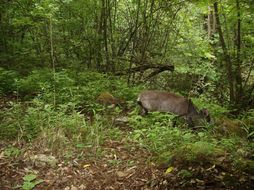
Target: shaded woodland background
[70,74]
[207,46]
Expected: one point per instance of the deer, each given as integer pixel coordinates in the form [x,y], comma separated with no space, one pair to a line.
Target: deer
[162,101]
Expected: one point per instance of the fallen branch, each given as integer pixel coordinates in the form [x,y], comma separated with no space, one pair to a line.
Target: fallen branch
[157,69]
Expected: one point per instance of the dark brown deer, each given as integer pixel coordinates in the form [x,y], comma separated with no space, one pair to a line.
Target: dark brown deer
[153,100]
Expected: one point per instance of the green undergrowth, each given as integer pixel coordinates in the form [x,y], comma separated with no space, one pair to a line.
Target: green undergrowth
[59,113]
[187,145]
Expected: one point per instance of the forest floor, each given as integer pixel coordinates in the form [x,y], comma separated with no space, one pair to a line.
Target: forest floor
[112,165]
[119,167]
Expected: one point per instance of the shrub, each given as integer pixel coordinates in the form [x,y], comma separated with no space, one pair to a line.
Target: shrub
[34,84]
[7,81]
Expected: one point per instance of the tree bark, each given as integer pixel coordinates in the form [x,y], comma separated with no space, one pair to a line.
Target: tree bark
[105,31]
[112,22]
[209,21]
[239,89]
[52,58]
[134,35]
[227,58]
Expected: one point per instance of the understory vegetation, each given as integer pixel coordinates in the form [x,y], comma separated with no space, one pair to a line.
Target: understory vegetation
[71,72]
[60,113]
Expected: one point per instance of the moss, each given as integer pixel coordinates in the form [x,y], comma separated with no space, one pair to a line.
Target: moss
[227,126]
[105,98]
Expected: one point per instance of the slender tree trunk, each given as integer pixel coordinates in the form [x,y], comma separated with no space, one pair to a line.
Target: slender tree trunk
[112,22]
[209,22]
[214,22]
[134,42]
[97,46]
[105,31]
[239,89]
[226,55]
[52,58]
[145,32]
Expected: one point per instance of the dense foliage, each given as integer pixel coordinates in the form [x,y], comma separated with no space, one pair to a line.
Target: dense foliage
[71,71]
[209,44]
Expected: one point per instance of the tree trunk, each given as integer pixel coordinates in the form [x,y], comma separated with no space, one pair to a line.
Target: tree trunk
[209,22]
[227,58]
[98,36]
[239,89]
[112,22]
[105,31]
[134,35]
[52,58]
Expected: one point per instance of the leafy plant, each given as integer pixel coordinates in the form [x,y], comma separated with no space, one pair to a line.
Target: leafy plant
[7,81]
[12,151]
[34,83]
[30,181]
[248,124]
[185,174]
[11,119]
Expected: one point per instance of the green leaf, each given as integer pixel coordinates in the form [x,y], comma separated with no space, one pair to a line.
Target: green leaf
[29,177]
[38,181]
[29,182]
[169,170]
[80,145]
[28,185]
[209,56]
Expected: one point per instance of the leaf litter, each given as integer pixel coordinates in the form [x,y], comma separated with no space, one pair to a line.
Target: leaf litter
[119,167]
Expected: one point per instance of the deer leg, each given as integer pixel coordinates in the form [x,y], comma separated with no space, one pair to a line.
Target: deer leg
[143,111]
[175,120]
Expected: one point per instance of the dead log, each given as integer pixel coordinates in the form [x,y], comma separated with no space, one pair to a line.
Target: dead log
[142,68]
